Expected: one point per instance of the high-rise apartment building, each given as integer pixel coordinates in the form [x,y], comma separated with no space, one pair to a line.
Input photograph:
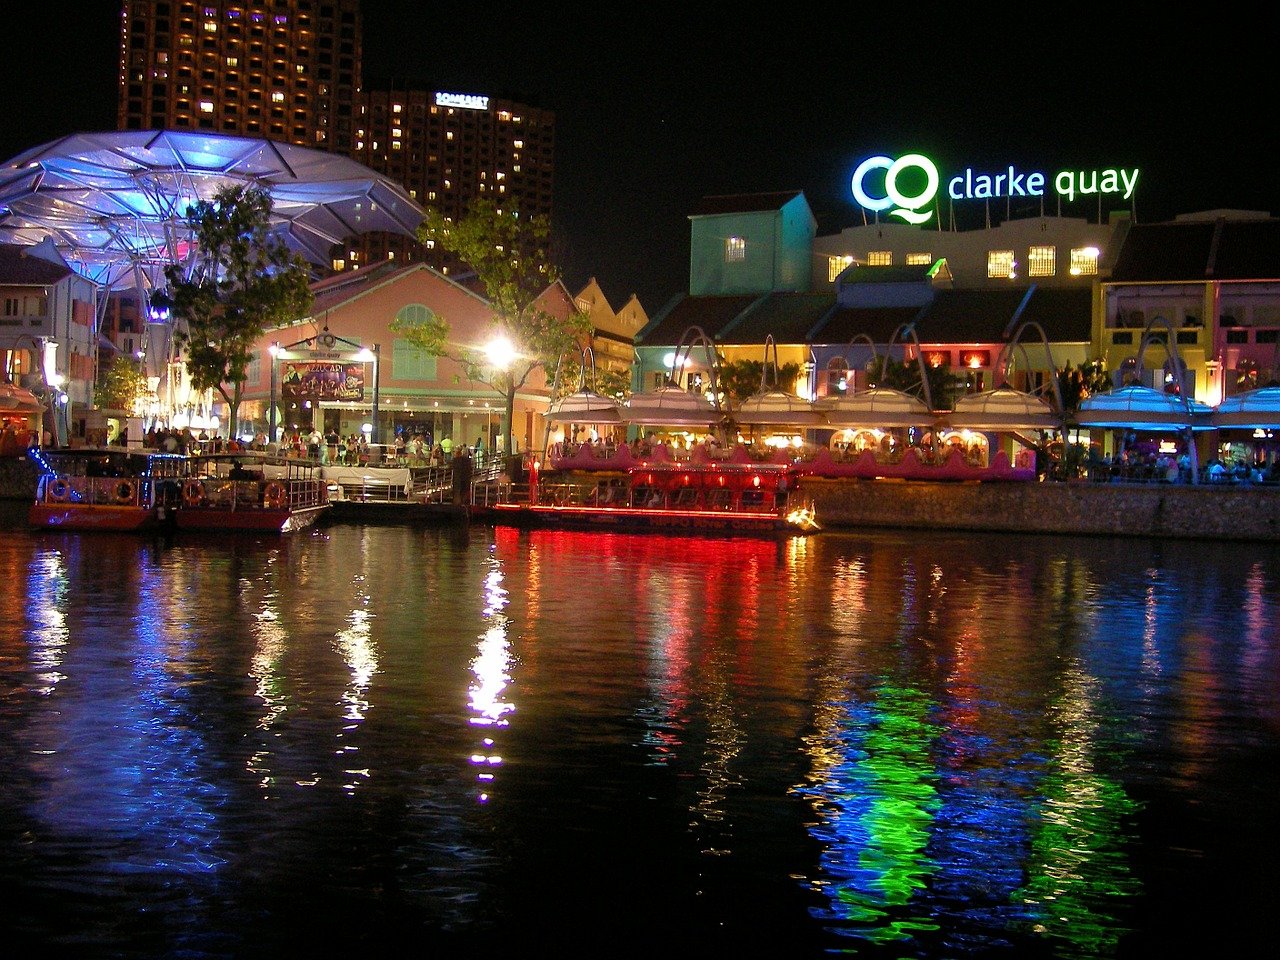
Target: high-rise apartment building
[292,71]
[286,70]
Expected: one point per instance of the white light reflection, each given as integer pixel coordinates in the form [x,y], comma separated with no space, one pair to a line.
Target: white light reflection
[46,590]
[491,671]
[356,648]
[268,651]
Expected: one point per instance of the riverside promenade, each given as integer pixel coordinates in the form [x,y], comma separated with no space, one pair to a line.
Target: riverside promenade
[1161,510]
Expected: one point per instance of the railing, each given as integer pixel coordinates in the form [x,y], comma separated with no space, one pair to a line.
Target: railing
[98,491]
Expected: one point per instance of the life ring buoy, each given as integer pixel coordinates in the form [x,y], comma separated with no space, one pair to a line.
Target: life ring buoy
[274,494]
[192,492]
[59,490]
[125,491]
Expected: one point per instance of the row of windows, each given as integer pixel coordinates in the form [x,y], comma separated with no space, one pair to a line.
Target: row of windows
[1042,261]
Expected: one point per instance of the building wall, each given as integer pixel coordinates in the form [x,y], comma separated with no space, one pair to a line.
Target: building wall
[445,402]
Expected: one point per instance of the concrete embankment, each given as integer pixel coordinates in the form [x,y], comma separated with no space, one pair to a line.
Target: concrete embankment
[1182,511]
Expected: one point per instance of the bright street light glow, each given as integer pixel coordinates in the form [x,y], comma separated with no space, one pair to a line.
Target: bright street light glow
[500,352]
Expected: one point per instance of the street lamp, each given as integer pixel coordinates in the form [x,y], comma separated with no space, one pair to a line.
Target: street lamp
[274,350]
[501,353]
[372,356]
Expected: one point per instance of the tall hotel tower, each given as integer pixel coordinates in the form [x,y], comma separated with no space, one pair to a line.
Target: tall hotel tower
[291,71]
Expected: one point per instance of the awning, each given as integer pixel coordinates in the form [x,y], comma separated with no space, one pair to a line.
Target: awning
[1254,410]
[585,406]
[670,406]
[1143,408]
[879,407]
[777,408]
[1003,408]
[19,400]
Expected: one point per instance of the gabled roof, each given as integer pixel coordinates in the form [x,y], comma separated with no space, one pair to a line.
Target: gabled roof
[19,268]
[1064,313]
[744,203]
[711,314]
[969,316]
[342,288]
[878,323]
[1199,251]
[787,317]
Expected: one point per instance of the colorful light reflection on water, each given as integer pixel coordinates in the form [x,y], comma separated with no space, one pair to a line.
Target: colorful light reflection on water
[887,746]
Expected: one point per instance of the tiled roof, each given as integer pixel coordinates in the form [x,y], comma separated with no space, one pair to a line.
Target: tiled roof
[787,317]
[711,314]
[903,273]
[1199,251]
[969,316]
[744,203]
[878,323]
[1064,313]
[18,267]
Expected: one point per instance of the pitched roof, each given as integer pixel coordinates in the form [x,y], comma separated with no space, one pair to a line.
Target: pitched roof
[969,316]
[878,323]
[744,203]
[787,317]
[19,268]
[711,314]
[1199,251]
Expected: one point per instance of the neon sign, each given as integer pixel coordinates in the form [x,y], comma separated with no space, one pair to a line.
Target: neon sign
[463,101]
[971,185]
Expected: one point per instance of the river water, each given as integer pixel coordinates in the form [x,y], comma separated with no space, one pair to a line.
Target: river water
[442,741]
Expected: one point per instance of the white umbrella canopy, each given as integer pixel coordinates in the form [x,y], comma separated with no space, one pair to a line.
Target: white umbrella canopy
[777,408]
[877,407]
[1253,410]
[585,406]
[1003,408]
[670,406]
[1143,408]
[115,201]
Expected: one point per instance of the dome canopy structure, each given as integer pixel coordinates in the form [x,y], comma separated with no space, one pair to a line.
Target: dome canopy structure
[1143,408]
[878,407]
[585,406]
[1254,410]
[116,202]
[1003,408]
[670,406]
[777,408]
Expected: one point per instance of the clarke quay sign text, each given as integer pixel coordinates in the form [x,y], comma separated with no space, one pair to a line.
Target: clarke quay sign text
[910,184]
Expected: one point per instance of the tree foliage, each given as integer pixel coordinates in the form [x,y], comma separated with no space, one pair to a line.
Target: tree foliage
[123,386]
[604,380]
[511,259]
[944,385]
[241,281]
[1082,382]
[740,379]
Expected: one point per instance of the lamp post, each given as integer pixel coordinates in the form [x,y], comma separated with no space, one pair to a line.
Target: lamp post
[501,354]
[372,356]
[274,350]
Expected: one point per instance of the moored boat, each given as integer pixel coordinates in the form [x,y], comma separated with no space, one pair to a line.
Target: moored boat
[622,492]
[251,491]
[105,488]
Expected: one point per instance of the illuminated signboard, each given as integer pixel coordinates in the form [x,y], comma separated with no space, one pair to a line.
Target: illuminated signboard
[910,184]
[328,380]
[463,101]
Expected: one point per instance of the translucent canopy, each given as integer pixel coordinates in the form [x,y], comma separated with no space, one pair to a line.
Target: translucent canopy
[585,406]
[1143,408]
[779,408]
[116,201]
[18,400]
[1254,410]
[670,406]
[1003,408]
[876,407]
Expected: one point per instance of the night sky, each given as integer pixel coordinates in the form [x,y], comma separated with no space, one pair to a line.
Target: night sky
[655,112]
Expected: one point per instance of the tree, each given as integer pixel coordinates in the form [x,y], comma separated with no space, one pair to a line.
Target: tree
[511,259]
[944,386]
[123,386]
[241,280]
[740,379]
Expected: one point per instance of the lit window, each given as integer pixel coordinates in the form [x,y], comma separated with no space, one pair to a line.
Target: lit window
[395,108]
[448,135]
[395,144]
[880,258]
[397,132]
[277,96]
[735,249]
[1000,263]
[339,264]
[519,144]
[919,259]
[206,106]
[1084,262]
[835,266]
[210,27]
[1042,261]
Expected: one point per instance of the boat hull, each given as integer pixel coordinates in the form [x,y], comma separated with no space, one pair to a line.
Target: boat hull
[75,516]
[637,519]
[264,520]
